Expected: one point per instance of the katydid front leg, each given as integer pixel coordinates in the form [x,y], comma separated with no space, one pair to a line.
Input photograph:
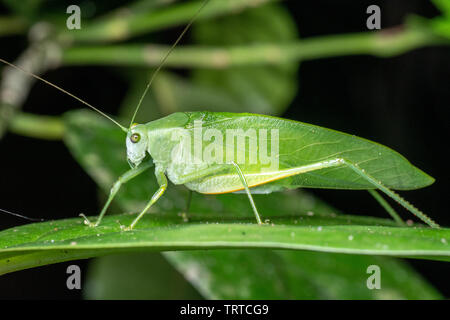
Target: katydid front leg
[127,176]
[162,181]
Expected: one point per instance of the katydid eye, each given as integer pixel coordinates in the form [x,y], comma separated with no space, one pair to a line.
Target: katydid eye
[135,137]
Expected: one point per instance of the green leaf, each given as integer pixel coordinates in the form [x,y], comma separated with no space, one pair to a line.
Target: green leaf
[251,274]
[436,29]
[49,242]
[443,5]
[441,26]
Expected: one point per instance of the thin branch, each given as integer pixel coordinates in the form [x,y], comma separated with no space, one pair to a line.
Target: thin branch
[11,25]
[37,126]
[125,23]
[387,43]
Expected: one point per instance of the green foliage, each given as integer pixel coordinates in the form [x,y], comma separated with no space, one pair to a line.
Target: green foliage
[443,5]
[441,24]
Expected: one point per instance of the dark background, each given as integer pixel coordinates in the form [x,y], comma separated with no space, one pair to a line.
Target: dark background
[401,102]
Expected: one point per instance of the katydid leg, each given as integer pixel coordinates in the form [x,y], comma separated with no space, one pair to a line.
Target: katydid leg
[387,207]
[244,182]
[361,172]
[391,194]
[127,176]
[162,181]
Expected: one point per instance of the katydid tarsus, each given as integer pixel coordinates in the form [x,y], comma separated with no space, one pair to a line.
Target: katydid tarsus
[306,156]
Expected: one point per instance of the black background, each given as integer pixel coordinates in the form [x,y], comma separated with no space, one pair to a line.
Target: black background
[401,102]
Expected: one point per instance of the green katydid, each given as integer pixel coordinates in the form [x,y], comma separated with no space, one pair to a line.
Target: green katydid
[306,156]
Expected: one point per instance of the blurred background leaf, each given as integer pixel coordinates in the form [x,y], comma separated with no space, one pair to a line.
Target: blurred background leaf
[144,275]
[25,8]
[441,24]
[250,274]
[443,5]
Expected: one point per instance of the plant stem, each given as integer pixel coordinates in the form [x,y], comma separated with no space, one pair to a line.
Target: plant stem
[10,25]
[387,43]
[37,126]
[126,22]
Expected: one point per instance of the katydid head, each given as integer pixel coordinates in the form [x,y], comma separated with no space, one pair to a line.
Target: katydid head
[137,142]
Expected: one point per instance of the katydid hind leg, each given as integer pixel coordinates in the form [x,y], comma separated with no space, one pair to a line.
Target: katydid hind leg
[391,193]
[377,184]
[247,190]
[162,181]
[127,176]
[386,206]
